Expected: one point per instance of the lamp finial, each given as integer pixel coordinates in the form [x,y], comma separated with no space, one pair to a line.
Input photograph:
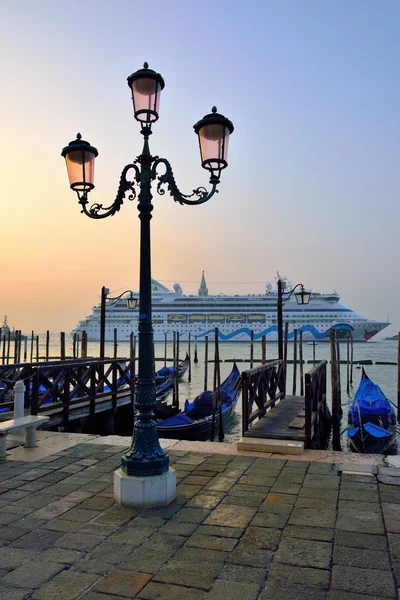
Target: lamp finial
[145,65]
[78,136]
[214,109]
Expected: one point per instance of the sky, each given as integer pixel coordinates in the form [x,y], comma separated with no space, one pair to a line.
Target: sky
[312,186]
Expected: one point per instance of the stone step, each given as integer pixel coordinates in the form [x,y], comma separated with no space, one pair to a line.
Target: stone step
[270,445]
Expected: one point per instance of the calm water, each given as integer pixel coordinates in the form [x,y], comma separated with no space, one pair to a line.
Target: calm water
[383,375]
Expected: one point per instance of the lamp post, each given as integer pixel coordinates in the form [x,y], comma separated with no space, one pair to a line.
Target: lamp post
[145,476]
[302,297]
[131,303]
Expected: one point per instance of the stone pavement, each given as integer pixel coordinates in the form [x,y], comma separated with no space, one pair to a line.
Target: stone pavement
[242,527]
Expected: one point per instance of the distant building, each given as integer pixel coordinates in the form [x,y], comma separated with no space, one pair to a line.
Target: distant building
[203,289]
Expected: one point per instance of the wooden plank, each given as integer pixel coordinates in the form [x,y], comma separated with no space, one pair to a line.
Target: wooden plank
[297,423]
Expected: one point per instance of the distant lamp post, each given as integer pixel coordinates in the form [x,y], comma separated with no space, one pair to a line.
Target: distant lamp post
[131,303]
[302,297]
[145,477]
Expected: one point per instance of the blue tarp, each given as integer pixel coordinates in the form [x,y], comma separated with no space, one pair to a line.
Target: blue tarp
[373,430]
[180,419]
[371,403]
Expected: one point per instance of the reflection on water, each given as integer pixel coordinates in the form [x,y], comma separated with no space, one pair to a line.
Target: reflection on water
[383,375]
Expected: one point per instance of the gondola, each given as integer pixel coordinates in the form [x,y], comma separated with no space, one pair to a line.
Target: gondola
[196,421]
[372,419]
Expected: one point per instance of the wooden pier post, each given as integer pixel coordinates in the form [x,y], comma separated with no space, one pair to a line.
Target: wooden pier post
[190,361]
[37,349]
[48,344]
[74,346]
[348,364]
[251,349]
[301,362]
[351,359]
[313,353]
[398,377]
[62,346]
[84,344]
[216,358]
[294,361]
[16,346]
[335,395]
[165,354]
[20,346]
[25,348]
[115,342]
[263,350]
[338,373]
[4,349]
[196,360]
[177,370]
[174,368]
[221,434]
[32,338]
[285,344]
[205,363]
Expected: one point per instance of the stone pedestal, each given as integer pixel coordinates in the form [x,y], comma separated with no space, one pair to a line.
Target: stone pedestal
[144,491]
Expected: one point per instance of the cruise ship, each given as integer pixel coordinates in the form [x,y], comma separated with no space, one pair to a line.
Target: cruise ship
[236,316]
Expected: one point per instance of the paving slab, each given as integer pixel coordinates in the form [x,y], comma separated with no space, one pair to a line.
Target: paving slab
[366,581]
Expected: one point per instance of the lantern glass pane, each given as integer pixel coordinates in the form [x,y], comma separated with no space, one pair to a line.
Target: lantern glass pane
[214,140]
[146,99]
[80,166]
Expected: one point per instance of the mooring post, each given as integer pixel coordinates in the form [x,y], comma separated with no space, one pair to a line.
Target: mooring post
[301,363]
[115,342]
[348,364]
[19,397]
[205,363]
[174,369]
[294,360]
[177,369]
[48,344]
[25,349]
[251,349]
[16,347]
[351,359]
[195,350]
[84,344]
[398,377]
[37,349]
[4,349]
[214,406]
[32,338]
[339,385]
[190,361]
[285,343]
[165,354]
[8,346]
[62,346]
[263,350]
[313,353]
[335,395]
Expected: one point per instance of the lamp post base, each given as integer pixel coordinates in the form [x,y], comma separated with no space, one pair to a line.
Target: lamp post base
[156,490]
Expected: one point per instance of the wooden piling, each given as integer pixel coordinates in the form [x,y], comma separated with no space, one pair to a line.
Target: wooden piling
[32,338]
[25,349]
[263,350]
[338,372]
[48,344]
[285,345]
[62,346]
[190,361]
[301,363]
[221,434]
[294,361]
[165,354]
[351,358]
[177,371]
[313,353]
[348,364]
[174,368]
[4,349]
[398,377]
[115,342]
[37,349]
[214,384]
[15,346]
[335,397]
[196,360]
[205,363]
[251,349]
[84,344]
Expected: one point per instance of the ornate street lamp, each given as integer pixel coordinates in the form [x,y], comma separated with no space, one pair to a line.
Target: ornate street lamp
[146,460]
[302,297]
[130,302]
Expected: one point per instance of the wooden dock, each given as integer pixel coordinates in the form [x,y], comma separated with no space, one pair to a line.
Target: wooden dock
[286,421]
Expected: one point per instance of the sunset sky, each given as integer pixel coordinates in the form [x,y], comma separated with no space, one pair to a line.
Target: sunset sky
[313,183]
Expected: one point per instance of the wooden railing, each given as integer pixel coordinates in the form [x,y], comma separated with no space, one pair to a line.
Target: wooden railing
[65,384]
[315,404]
[262,387]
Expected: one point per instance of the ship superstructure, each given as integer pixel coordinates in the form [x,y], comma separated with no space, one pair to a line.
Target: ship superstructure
[236,316]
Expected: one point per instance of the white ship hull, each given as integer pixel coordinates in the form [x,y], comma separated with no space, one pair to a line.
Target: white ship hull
[235,316]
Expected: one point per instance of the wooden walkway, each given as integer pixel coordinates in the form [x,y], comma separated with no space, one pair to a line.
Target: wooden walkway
[286,421]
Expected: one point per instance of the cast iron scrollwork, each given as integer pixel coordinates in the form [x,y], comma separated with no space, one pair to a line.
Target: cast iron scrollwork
[168,178]
[98,211]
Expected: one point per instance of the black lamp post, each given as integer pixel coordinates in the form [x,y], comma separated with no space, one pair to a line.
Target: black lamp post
[131,303]
[302,297]
[145,456]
